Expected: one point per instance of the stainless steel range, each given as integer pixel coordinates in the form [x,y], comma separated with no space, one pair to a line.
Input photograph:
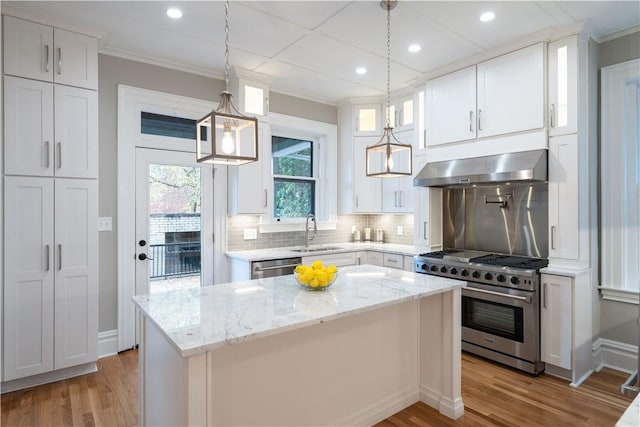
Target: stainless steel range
[500,305]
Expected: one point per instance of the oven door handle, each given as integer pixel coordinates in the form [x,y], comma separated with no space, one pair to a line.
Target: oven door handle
[500,294]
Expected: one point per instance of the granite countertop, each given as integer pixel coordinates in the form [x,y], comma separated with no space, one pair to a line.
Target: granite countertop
[288,252]
[201,319]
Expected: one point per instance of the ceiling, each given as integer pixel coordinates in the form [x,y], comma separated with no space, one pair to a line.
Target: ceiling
[312,48]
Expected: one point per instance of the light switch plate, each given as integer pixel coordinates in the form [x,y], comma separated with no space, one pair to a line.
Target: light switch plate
[104,223]
[250,234]
[400,230]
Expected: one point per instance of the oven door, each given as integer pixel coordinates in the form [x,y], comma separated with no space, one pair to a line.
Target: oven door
[501,319]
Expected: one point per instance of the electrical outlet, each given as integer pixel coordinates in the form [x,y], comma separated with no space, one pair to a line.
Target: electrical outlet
[250,234]
[353,229]
[104,223]
[400,230]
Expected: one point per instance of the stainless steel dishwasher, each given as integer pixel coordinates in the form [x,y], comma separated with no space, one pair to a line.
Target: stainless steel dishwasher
[274,267]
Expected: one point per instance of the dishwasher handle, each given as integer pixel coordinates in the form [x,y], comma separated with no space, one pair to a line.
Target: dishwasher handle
[275,267]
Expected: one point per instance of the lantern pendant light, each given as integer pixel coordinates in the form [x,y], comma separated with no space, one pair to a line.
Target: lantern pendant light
[389,157]
[225,135]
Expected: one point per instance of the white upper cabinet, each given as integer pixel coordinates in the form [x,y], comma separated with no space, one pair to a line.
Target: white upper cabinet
[401,114]
[28,127]
[41,52]
[50,130]
[398,193]
[368,120]
[251,185]
[564,221]
[563,86]
[450,104]
[367,191]
[511,92]
[501,96]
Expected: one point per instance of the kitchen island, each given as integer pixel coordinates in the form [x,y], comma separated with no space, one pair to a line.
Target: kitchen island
[267,352]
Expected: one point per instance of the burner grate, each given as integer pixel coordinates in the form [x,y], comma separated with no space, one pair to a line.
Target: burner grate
[512,261]
[440,254]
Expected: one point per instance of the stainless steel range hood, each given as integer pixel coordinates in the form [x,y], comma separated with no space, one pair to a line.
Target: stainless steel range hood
[527,166]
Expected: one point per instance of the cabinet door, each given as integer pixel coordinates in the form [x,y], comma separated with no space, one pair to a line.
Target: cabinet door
[450,104]
[76,272]
[511,92]
[555,320]
[76,132]
[28,127]
[563,86]
[76,59]
[367,190]
[398,193]
[339,260]
[28,49]
[28,277]
[368,120]
[375,258]
[251,185]
[563,197]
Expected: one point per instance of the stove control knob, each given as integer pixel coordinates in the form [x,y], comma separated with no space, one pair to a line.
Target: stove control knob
[434,268]
[443,269]
[515,280]
[500,278]
[488,276]
[424,267]
[453,271]
[476,274]
[464,273]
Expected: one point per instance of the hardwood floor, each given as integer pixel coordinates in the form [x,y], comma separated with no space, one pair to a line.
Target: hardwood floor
[493,396]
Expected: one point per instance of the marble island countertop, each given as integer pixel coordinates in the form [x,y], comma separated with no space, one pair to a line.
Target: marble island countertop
[331,248]
[201,319]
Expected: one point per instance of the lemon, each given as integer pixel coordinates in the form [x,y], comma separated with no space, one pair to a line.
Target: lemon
[300,269]
[317,265]
[331,269]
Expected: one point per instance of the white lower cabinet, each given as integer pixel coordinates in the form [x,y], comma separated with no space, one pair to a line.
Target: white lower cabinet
[339,260]
[50,276]
[555,318]
[393,260]
[375,258]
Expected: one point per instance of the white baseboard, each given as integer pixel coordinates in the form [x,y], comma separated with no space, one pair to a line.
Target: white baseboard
[382,409]
[615,355]
[447,407]
[48,377]
[107,343]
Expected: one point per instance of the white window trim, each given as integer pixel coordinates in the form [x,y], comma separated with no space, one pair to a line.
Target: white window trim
[326,135]
[620,86]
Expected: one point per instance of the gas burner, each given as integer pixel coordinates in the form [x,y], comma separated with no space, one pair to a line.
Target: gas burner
[512,261]
[440,254]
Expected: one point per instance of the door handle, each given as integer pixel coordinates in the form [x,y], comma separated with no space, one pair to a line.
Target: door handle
[275,267]
[471,121]
[143,257]
[395,199]
[479,119]
[544,295]
[424,232]
[553,237]
[48,155]
[59,256]
[59,155]
[266,198]
[552,115]
[500,294]
[59,60]
[46,250]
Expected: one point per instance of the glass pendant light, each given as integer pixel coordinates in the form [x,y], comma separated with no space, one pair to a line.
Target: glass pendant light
[225,135]
[389,157]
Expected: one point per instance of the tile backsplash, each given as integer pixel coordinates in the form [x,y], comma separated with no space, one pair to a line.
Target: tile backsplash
[237,224]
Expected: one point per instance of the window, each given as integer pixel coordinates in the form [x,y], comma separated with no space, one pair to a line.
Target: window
[176,127]
[294,177]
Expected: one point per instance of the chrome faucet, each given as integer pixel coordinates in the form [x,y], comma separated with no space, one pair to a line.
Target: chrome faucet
[310,217]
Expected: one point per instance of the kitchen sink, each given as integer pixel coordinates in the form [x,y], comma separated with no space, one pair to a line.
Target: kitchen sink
[317,249]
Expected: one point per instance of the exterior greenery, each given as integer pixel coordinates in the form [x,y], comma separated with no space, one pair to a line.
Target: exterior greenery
[294,186]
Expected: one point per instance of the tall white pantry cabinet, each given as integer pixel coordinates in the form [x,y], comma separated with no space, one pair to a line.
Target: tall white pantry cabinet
[50,204]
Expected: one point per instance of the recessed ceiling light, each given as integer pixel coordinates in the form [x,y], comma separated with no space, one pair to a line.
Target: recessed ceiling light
[415,48]
[174,13]
[487,16]
[361,70]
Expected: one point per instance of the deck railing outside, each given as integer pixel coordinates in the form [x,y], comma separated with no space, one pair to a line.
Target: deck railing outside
[174,259]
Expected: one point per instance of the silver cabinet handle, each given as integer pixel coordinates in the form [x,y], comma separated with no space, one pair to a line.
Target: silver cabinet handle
[59,155]
[424,233]
[266,198]
[47,154]
[59,256]
[424,140]
[358,261]
[552,114]
[544,295]
[46,50]
[46,250]
[400,199]
[471,121]
[553,237]
[479,119]
[395,199]
[356,201]
[59,60]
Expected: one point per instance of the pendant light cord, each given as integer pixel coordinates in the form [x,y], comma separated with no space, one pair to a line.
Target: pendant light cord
[226,43]
[388,64]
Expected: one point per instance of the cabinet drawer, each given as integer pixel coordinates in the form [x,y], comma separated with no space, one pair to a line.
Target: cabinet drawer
[393,261]
[375,258]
